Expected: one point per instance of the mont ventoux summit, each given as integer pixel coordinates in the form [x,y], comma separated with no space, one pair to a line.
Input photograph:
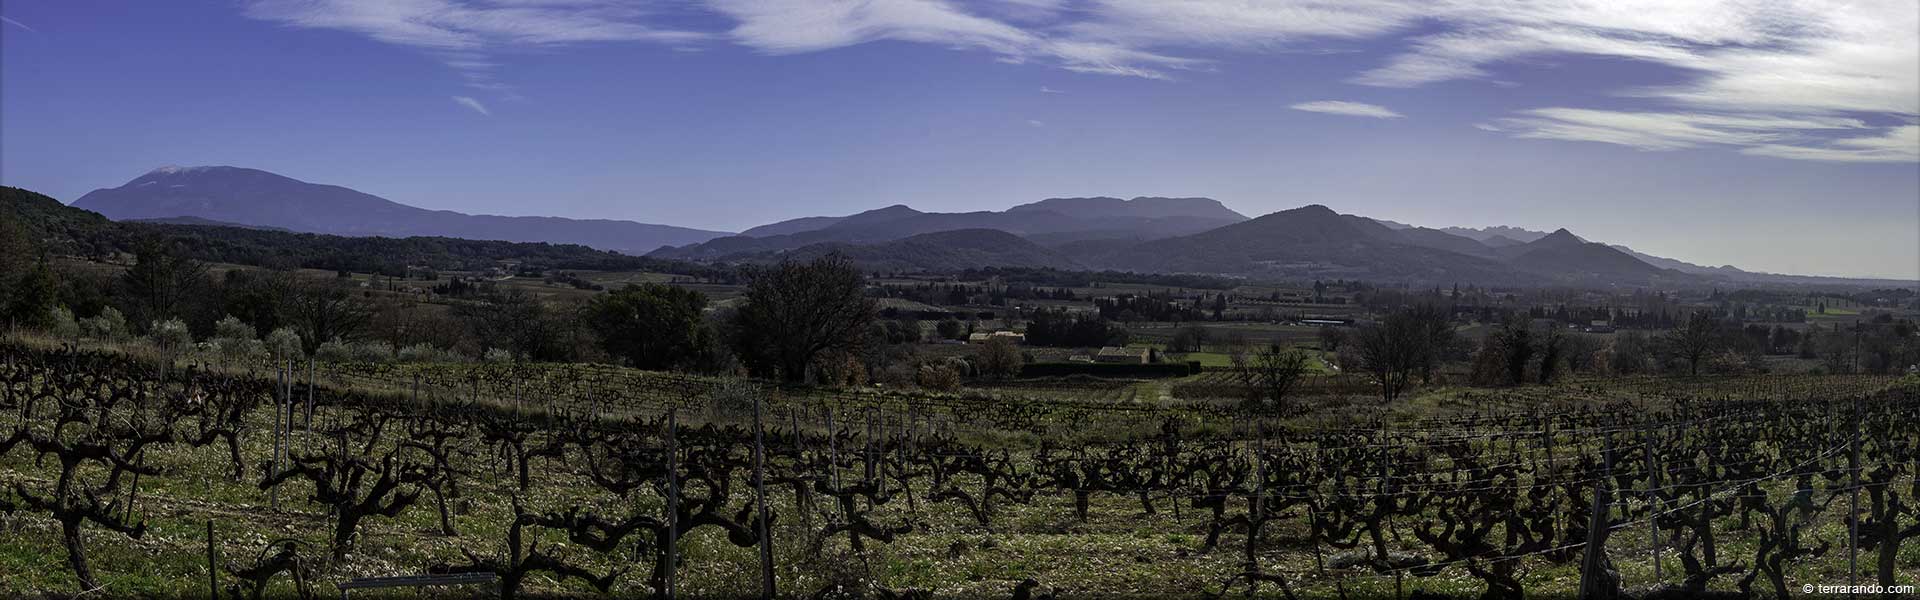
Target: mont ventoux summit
[1147,234]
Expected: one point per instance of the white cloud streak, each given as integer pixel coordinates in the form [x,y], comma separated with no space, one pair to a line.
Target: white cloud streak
[1779,65]
[792,26]
[1768,76]
[14,23]
[466,34]
[474,104]
[1899,144]
[1351,109]
[1661,130]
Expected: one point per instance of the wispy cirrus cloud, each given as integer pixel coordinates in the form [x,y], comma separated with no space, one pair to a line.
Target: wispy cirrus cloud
[1898,144]
[1776,64]
[470,102]
[1662,130]
[1769,62]
[1351,109]
[467,35]
[793,26]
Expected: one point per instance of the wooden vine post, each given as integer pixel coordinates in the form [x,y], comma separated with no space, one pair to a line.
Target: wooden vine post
[1385,491]
[1258,516]
[833,452]
[1653,507]
[673,500]
[1595,558]
[1853,502]
[760,499]
[213,572]
[310,374]
[279,410]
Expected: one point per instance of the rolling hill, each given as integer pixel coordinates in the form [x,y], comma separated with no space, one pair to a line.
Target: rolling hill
[65,230]
[1142,207]
[1053,221]
[938,252]
[255,198]
[1309,242]
[1565,256]
[1143,234]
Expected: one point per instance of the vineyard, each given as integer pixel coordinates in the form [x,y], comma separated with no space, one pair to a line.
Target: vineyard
[126,478]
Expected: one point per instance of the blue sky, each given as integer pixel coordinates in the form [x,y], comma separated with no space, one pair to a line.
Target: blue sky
[1780,136]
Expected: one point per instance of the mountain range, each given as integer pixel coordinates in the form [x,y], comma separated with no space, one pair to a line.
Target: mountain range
[255,198]
[1055,220]
[1314,241]
[1147,234]
[940,251]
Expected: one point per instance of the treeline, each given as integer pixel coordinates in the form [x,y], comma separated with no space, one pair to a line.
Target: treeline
[1059,329]
[963,294]
[1059,278]
[1129,308]
[1417,344]
[812,321]
[798,322]
[64,230]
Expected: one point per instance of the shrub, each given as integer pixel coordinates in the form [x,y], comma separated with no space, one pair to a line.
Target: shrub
[841,371]
[898,375]
[334,351]
[1731,362]
[60,323]
[939,378]
[284,344]
[951,328]
[232,328]
[732,401]
[170,335]
[998,359]
[424,353]
[375,351]
[108,325]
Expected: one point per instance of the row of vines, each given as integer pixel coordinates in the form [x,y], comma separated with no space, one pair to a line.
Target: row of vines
[612,489]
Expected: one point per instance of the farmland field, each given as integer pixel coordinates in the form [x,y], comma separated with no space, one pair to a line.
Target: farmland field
[1113,490]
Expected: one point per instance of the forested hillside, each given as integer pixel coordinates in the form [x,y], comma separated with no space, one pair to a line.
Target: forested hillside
[65,230]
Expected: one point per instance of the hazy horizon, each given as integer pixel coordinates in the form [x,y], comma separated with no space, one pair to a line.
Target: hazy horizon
[1782,138]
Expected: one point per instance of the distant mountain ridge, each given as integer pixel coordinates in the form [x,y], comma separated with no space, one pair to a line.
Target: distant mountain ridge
[1497,234]
[1064,219]
[1312,241]
[68,231]
[256,198]
[204,222]
[1567,256]
[1147,233]
[1144,207]
[1307,242]
[1500,236]
[943,251]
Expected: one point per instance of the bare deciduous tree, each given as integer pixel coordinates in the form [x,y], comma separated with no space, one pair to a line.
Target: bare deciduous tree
[798,311]
[1695,340]
[323,314]
[1405,344]
[1271,375]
